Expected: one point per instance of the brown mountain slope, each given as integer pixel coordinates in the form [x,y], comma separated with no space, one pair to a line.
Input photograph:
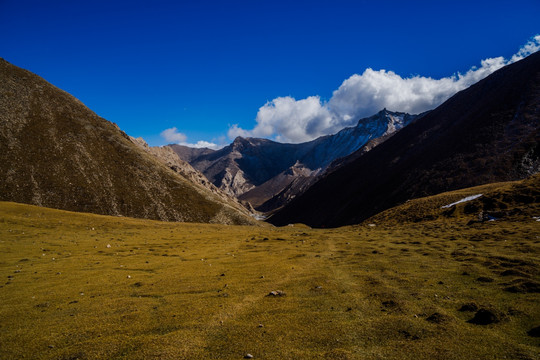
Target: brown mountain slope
[55,152]
[486,133]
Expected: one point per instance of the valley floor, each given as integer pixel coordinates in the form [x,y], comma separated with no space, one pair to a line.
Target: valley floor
[80,286]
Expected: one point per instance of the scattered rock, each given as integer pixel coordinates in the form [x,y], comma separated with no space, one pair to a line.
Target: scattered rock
[51,346]
[465,273]
[534,332]
[43,305]
[222,274]
[260,325]
[248,356]
[484,279]
[276,293]
[138,284]
[485,317]
[108,245]
[468,307]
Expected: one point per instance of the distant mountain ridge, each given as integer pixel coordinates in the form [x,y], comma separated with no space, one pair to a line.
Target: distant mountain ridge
[55,152]
[255,170]
[487,133]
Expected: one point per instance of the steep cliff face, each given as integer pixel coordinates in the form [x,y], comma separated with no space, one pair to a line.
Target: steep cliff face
[55,152]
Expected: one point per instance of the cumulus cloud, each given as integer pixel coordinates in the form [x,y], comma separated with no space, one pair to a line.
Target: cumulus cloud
[289,120]
[172,135]
[529,48]
[203,144]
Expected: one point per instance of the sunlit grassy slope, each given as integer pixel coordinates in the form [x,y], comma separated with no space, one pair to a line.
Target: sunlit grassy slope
[80,286]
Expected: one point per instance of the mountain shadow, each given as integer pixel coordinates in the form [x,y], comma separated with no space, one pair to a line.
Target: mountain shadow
[486,133]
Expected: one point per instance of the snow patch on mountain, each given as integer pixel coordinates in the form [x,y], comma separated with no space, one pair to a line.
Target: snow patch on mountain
[465,199]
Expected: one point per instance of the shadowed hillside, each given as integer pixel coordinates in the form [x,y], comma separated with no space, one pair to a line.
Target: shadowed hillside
[486,133]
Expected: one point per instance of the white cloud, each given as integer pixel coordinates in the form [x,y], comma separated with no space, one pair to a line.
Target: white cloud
[530,47]
[288,120]
[203,144]
[172,135]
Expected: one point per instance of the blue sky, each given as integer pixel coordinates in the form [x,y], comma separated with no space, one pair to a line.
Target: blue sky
[217,69]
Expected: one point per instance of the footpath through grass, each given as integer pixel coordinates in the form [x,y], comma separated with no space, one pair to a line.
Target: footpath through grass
[80,286]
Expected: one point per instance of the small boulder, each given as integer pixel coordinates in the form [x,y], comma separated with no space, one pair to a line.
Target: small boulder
[248,356]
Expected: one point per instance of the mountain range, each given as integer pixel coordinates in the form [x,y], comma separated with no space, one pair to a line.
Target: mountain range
[267,174]
[486,133]
[55,152]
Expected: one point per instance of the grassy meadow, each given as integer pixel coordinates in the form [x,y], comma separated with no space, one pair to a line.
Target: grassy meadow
[82,286]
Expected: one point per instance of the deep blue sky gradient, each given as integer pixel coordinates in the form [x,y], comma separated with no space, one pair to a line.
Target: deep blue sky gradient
[204,65]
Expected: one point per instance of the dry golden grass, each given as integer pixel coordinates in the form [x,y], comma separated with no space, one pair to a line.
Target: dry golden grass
[194,291]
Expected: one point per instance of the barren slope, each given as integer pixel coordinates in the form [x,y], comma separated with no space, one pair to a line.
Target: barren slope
[55,152]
